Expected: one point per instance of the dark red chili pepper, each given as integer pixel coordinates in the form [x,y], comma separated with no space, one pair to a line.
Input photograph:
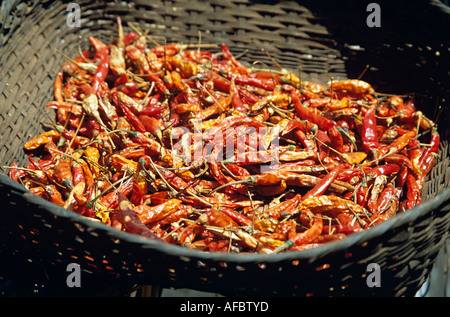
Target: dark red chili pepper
[101,73]
[236,216]
[413,196]
[78,174]
[14,173]
[221,83]
[324,183]
[434,145]
[130,37]
[385,169]
[238,105]
[323,123]
[384,198]
[369,131]
[229,56]
[134,120]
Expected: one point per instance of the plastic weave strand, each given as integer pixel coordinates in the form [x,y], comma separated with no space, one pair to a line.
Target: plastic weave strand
[318,42]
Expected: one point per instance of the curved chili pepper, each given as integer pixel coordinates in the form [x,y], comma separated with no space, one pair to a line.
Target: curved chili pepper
[101,73]
[397,144]
[134,120]
[42,139]
[131,221]
[322,122]
[238,105]
[148,214]
[385,169]
[310,234]
[322,186]
[286,206]
[226,52]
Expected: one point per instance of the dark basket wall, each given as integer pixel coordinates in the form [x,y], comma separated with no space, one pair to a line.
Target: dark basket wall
[323,39]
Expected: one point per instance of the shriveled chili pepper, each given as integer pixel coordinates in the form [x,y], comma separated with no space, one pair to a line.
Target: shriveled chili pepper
[385,169]
[353,86]
[63,172]
[101,73]
[286,206]
[369,131]
[413,192]
[322,186]
[42,139]
[238,105]
[322,122]
[148,214]
[131,221]
[134,120]
[397,145]
[434,145]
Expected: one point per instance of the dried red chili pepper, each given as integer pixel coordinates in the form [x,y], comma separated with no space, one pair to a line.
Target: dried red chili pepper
[131,221]
[369,131]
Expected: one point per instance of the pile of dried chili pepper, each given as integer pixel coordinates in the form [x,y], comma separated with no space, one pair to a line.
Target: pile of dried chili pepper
[194,148]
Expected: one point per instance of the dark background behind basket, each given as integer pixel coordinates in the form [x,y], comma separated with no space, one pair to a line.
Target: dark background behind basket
[320,40]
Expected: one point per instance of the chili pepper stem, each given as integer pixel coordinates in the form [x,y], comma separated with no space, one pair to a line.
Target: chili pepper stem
[248,180]
[288,244]
[91,203]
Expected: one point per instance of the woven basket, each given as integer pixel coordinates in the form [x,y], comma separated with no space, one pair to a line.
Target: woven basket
[408,53]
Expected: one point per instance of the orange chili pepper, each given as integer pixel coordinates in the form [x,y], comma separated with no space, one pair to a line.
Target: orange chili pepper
[63,172]
[42,139]
[148,214]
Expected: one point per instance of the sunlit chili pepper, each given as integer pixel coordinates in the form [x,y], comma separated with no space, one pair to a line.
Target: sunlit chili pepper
[322,122]
[42,139]
[353,86]
[131,221]
[397,145]
[148,214]
[322,186]
[63,172]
